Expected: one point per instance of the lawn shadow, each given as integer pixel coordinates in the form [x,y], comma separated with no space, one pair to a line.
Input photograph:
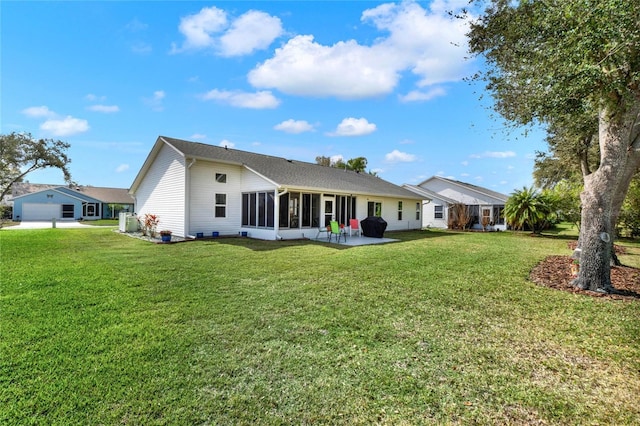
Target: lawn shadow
[266,245]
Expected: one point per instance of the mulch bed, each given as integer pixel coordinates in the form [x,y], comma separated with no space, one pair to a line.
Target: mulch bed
[555,272]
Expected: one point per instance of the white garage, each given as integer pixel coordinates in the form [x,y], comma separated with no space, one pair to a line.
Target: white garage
[41,211]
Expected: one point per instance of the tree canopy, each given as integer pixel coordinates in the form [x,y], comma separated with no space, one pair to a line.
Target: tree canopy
[556,58]
[358,164]
[571,65]
[21,154]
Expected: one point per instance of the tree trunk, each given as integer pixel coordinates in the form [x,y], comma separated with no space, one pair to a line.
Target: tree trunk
[603,190]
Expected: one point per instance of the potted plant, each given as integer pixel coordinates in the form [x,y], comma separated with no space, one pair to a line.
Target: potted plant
[165,235]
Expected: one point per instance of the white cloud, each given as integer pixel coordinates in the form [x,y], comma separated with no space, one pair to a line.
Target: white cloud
[431,44]
[422,96]
[197,28]
[396,156]
[136,25]
[494,154]
[122,168]
[257,100]
[227,144]
[354,127]
[345,70]
[104,108]
[140,47]
[210,29]
[38,111]
[294,126]
[335,158]
[94,98]
[464,163]
[155,101]
[252,31]
[65,127]
[198,136]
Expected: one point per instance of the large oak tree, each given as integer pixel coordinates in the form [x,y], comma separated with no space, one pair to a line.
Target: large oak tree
[556,60]
[21,154]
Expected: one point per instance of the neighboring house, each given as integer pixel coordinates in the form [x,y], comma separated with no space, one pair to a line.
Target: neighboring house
[196,188]
[47,202]
[443,193]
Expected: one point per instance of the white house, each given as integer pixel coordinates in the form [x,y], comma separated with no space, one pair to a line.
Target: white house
[441,194]
[195,188]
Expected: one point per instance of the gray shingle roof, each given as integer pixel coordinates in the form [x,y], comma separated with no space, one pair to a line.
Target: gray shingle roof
[108,195]
[476,188]
[428,194]
[102,194]
[293,173]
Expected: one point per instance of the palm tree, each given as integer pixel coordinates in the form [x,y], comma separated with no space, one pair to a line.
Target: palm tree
[529,208]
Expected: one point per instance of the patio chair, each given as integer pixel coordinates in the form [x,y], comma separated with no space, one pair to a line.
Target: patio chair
[324,229]
[354,227]
[337,231]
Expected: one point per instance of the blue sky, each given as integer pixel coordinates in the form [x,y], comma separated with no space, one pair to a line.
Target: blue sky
[296,79]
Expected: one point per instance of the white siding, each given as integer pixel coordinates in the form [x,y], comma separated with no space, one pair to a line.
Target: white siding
[203,190]
[429,219]
[460,194]
[252,182]
[162,191]
[390,212]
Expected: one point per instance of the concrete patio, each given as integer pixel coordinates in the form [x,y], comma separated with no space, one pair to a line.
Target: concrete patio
[356,240]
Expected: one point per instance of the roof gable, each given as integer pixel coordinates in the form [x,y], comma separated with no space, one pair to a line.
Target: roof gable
[466,187]
[428,194]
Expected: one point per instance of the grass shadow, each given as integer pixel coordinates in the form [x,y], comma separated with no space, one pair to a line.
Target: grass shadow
[267,245]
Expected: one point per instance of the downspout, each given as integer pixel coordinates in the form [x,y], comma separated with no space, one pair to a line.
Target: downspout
[187,198]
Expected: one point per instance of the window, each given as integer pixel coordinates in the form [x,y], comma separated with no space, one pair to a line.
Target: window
[438,212]
[221,177]
[221,205]
[498,214]
[310,213]
[399,210]
[374,208]
[345,208]
[418,211]
[299,210]
[258,209]
[67,211]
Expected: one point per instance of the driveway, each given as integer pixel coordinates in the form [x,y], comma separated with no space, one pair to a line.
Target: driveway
[47,224]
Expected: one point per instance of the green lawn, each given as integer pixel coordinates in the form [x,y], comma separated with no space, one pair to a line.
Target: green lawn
[100,328]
